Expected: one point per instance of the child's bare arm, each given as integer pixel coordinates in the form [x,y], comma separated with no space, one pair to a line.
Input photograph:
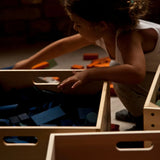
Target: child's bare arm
[53,50]
[131,72]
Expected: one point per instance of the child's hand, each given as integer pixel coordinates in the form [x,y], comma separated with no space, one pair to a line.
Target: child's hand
[22,65]
[79,78]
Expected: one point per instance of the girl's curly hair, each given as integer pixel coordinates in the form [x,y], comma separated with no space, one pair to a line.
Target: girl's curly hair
[122,14]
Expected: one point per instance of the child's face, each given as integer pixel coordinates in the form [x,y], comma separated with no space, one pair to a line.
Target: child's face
[90,31]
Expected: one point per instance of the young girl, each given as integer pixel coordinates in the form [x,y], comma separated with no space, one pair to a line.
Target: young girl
[114,25]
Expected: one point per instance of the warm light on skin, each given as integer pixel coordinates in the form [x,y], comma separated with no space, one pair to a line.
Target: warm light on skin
[89,30]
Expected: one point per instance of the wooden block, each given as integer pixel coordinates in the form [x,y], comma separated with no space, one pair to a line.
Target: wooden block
[99,62]
[23,116]
[41,65]
[77,66]
[102,65]
[66,122]
[82,112]
[48,115]
[91,119]
[114,127]
[4,122]
[8,107]
[14,120]
[56,78]
[158,102]
[90,56]
[112,92]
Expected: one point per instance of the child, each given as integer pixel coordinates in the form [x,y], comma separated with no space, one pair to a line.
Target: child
[114,25]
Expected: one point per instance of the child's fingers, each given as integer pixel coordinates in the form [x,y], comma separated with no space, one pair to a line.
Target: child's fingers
[67,82]
[76,84]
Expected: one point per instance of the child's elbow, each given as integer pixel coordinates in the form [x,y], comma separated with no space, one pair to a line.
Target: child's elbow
[140,76]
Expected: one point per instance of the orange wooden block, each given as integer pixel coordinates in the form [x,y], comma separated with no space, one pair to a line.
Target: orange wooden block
[99,61]
[90,56]
[102,65]
[76,66]
[91,65]
[56,78]
[112,92]
[41,65]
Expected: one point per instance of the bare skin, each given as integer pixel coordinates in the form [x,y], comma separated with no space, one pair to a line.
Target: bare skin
[132,44]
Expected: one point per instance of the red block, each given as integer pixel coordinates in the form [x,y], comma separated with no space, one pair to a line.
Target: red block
[90,56]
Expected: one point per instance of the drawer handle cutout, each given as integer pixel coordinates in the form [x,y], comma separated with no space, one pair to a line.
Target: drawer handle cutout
[13,140]
[134,145]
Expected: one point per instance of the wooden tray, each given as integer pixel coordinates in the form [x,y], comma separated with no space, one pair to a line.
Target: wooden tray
[25,78]
[104,146]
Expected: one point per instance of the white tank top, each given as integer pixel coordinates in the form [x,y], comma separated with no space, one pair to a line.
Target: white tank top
[152,58]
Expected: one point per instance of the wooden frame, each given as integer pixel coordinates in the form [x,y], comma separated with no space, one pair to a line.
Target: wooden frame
[103,145]
[25,78]
[151,110]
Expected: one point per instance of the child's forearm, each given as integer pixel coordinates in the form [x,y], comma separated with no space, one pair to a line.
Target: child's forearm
[58,48]
[122,74]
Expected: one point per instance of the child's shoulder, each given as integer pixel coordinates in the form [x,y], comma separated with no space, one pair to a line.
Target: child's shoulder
[147,36]
[144,24]
[144,28]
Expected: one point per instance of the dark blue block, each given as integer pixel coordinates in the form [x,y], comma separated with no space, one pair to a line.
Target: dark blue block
[91,119]
[8,110]
[20,139]
[4,122]
[48,115]
[10,67]
[82,112]
[23,116]
[14,120]
[51,125]
[66,122]
[14,140]
[8,107]
[50,105]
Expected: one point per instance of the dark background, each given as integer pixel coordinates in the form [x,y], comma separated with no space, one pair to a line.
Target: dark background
[32,21]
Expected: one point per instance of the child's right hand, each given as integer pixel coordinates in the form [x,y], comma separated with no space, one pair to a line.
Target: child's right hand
[78,79]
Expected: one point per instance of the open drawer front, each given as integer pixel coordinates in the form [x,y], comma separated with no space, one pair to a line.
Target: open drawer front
[104,146]
[26,78]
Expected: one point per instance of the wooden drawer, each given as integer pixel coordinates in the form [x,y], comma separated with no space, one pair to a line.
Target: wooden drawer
[104,145]
[25,78]
[151,109]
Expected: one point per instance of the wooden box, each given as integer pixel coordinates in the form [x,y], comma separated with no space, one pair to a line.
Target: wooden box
[151,109]
[37,151]
[104,145]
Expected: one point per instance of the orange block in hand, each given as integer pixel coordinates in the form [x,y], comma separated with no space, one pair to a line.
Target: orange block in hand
[41,65]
